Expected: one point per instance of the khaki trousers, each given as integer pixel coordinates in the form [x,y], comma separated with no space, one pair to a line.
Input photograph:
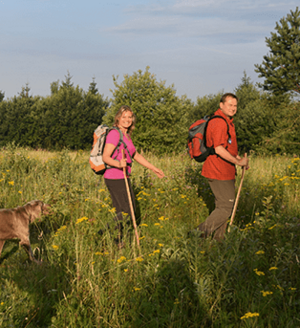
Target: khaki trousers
[216,223]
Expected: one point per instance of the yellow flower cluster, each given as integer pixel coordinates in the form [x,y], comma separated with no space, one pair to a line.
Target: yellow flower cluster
[273,268]
[162,218]
[60,230]
[248,227]
[266,293]
[259,273]
[121,259]
[249,315]
[81,220]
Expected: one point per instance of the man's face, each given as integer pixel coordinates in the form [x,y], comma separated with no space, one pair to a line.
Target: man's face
[229,107]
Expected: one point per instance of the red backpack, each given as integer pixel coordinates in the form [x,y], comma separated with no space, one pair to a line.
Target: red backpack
[197,142]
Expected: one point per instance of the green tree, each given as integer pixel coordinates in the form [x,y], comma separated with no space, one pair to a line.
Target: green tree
[252,120]
[93,87]
[285,137]
[205,106]
[2,95]
[281,67]
[16,120]
[161,115]
[54,87]
[72,116]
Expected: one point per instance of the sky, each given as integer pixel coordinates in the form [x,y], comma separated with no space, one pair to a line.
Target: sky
[201,47]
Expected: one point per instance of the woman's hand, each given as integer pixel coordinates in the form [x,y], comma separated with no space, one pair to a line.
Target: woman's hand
[158,172]
[122,163]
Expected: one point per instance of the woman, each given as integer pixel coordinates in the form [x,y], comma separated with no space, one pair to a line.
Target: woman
[114,176]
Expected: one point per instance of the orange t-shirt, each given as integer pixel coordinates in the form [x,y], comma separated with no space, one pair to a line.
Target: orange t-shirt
[215,167]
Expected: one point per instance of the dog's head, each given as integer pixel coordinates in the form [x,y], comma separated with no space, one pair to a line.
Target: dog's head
[36,208]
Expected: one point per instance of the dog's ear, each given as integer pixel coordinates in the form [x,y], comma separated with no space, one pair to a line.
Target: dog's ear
[34,209]
[46,209]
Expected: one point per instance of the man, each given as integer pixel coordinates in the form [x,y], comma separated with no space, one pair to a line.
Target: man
[220,169]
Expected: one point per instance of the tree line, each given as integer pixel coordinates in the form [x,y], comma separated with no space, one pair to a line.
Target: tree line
[267,120]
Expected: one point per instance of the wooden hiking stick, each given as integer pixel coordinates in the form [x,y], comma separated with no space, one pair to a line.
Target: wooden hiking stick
[130,204]
[237,197]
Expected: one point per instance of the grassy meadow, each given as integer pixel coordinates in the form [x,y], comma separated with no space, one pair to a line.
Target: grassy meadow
[251,279]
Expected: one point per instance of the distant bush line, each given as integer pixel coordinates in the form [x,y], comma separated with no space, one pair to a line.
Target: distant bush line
[67,118]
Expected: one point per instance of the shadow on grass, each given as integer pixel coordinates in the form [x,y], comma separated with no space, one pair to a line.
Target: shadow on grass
[30,291]
[169,299]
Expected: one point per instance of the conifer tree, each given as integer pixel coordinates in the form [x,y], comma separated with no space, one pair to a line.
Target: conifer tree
[281,67]
[2,95]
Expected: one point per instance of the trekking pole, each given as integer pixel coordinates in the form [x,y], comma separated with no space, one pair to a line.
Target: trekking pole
[130,204]
[237,197]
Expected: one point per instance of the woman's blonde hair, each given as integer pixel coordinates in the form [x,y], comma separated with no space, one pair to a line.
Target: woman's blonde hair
[123,109]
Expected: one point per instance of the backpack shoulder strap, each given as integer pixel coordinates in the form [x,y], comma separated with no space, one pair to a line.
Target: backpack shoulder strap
[219,116]
[121,141]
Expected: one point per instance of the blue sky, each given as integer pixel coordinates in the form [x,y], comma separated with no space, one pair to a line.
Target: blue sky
[200,46]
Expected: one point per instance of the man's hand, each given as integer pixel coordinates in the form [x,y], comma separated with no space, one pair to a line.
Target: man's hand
[243,161]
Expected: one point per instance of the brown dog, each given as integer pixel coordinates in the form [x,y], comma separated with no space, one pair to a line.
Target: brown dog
[14,223]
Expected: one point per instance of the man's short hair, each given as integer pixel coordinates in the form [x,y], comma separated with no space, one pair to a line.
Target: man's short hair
[230,95]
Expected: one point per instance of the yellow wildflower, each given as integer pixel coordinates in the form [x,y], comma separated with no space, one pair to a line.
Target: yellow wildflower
[260,252]
[55,247]
[249,315]
[259,273]
[273,268]
[136,289]
[139,259]
[81,219]
[121,259]
[11,183]
[144,225]
[266,293]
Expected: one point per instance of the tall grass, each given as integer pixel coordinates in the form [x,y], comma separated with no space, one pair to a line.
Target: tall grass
[248,280]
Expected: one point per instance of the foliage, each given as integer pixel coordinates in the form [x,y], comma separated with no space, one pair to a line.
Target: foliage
[285,137]
[161,115]
[204,106]
[281,68]
[2,95]
[248,280]
[253,120]
[65,119]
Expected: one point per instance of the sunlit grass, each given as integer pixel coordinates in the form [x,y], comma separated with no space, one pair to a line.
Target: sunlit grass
[249,280]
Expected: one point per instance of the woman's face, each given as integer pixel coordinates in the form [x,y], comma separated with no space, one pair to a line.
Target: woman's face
[125,120]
